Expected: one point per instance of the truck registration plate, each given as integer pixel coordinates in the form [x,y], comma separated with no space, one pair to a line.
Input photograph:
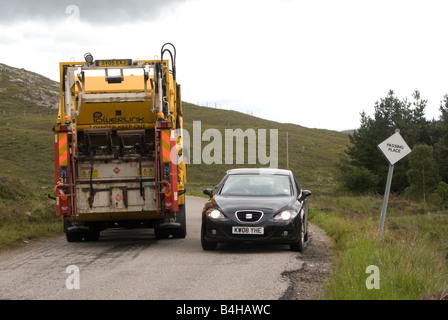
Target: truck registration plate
[113,63]
[248,230]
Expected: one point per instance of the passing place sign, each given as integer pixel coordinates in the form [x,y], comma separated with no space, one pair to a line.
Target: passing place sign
[394,148]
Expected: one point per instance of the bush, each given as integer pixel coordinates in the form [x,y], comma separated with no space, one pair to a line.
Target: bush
[357,180]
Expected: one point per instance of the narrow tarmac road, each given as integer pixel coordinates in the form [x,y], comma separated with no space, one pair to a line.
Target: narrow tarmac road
[132,264]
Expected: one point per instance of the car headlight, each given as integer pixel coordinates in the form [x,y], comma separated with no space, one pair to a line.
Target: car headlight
[285,215]
[215,214]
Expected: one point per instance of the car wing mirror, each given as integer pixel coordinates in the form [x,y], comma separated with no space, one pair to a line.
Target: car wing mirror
[208,192]
[305,194]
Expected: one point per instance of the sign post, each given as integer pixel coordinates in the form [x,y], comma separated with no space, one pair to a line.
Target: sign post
[394,148]
[386,200]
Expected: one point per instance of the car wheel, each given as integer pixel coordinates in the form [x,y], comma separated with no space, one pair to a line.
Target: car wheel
[306,235]
[207,245]
[299,245]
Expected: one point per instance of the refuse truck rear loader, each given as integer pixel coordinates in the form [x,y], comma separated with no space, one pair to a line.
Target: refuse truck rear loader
[118,147]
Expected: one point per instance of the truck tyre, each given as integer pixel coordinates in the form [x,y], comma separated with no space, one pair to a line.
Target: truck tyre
[74,236]
[161,233]
[93,235]
[176,231]
[181,232]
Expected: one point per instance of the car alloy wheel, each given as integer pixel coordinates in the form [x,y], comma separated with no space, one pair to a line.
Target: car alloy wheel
[299,245]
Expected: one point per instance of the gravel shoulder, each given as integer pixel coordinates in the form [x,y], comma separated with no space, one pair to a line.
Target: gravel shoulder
[307,282]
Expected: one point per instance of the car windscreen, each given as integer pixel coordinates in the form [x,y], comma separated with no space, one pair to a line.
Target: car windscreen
[256,185]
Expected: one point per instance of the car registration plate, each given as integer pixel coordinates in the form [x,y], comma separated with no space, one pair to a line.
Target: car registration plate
[247,230]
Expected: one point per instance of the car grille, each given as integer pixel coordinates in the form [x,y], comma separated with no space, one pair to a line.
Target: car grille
[248,215]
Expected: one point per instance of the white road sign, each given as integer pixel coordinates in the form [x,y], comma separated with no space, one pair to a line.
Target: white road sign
[394,148]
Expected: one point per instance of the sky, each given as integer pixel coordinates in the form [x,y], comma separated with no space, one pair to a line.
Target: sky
[314,63]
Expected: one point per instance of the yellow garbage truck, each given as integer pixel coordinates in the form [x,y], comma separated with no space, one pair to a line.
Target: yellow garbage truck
[118,147]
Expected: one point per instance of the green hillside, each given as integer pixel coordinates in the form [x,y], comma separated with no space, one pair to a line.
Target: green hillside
[22,91]
[28,108]
[312,152]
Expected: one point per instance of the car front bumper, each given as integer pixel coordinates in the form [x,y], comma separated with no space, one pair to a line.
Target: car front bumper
[273,231]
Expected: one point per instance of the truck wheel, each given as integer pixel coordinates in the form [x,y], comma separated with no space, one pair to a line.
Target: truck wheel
[180,232]
[161,233]
[177,228]
[74,236]
[89,232]
[93,235]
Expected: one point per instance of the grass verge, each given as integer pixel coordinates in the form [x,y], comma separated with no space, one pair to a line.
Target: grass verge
[14,233]
[25,213]
[412,258]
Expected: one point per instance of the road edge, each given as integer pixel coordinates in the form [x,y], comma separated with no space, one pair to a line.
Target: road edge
[308,282]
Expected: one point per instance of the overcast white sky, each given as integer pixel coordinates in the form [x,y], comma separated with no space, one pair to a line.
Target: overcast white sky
[315,63]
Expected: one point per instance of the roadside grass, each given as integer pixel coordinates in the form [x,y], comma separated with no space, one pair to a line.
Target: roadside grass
[13,233]
[412,257]
[25,214]
[26,177]
[196,189]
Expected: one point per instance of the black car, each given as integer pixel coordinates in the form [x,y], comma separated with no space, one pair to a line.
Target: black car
[256,206]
